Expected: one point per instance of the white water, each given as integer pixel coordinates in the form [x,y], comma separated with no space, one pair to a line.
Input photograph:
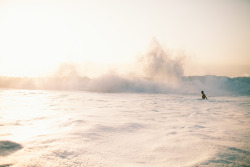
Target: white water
[76,128]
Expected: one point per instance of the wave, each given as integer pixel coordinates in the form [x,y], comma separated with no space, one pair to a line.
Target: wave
[212,85]
[158,71]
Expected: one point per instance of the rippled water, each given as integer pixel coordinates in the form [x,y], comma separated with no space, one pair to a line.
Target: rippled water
[76,128]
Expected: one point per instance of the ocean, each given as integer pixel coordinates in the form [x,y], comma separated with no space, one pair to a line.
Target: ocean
[126,129]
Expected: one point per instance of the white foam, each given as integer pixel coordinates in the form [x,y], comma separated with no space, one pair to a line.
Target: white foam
[65,128]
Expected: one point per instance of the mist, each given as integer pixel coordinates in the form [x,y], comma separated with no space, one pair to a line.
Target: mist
[161,65]
[156,71]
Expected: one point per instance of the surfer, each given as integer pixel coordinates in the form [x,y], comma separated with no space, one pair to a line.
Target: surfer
[203,96]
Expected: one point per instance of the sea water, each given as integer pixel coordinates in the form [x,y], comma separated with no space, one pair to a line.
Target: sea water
[77,128]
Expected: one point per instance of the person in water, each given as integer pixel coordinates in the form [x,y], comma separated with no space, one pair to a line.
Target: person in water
[203,96]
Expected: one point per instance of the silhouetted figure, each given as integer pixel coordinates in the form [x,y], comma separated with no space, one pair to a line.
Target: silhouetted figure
[203,96]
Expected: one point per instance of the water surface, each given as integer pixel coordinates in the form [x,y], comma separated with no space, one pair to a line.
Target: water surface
[76,128]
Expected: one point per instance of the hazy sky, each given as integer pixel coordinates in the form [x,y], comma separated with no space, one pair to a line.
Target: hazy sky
[36,36]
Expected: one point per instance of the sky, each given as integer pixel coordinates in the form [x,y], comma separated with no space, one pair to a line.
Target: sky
[37,36]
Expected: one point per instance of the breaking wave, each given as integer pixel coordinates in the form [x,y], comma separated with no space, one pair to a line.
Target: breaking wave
[157,71]
[212,85]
